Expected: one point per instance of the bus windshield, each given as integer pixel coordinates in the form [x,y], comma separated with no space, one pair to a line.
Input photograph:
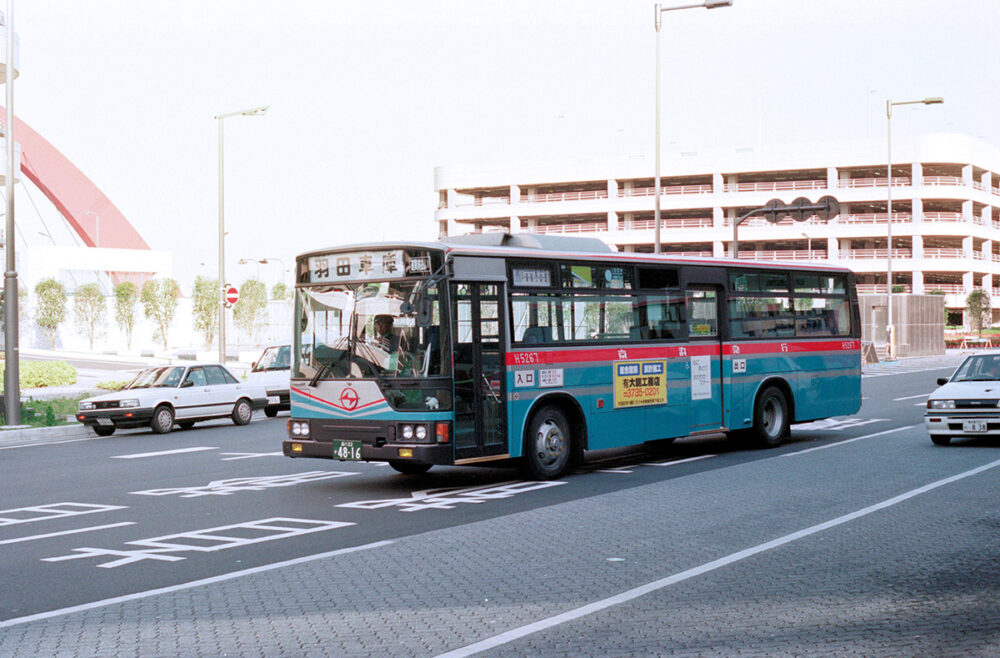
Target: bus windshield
[360,330]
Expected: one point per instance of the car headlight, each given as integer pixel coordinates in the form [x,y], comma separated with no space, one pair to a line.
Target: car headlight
[129,403]
[86,406]
[940,404]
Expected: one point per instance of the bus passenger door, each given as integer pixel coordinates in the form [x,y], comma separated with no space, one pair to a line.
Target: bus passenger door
[477,324]
[705,409]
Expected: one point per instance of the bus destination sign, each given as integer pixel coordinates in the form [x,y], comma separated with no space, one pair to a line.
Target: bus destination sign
[362,265]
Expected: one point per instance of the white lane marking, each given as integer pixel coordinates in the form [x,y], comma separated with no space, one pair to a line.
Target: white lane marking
[140,455]
[911,397]
[51,511]
[642,590]
[67,532]
[857,438]
[448,497]
[34,444]
[249,455]
[93,605]
[234,485]
[837,425]
[207,540]
[680,461]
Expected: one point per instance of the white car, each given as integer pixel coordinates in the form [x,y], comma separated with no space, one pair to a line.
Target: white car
[968,403]
[162,396]
[272,370]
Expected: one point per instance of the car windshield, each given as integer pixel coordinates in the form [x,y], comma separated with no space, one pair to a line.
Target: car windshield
[165,377]
[361,330]
[980,368]
[274,358]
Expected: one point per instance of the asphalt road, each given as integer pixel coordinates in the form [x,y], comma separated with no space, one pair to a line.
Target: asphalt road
[857,537]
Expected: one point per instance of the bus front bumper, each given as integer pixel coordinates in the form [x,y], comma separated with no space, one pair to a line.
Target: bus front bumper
[440,454]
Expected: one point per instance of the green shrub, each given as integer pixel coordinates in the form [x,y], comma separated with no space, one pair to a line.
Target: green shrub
[39,374]
[46,413]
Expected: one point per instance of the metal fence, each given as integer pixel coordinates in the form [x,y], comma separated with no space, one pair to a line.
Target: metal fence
[919,321]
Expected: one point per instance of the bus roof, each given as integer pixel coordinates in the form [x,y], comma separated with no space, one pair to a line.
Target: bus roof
[527,245]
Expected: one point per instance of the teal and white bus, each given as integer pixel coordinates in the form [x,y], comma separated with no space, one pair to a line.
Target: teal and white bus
[536,348]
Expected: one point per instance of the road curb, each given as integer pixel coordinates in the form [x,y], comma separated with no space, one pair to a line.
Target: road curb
[34,433]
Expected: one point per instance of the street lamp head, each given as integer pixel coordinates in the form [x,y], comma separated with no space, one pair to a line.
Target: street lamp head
[715,4]
[933,100]
[255,111]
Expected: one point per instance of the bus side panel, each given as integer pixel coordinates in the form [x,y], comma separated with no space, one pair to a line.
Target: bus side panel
[829,384]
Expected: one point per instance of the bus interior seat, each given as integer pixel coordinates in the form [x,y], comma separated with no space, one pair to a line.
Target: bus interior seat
[535,335]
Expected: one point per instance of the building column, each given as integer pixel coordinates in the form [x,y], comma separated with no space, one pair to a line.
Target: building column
[967,246]
[718,185]
[917,174]
[987,250]
[967,283]
[719,249]
[515,202]
[987,180]
[832,249]
[967,210]
[831,177]
[986,216]
[612,226]
[918,282]
[918,247]
[719,218]
[967,175]
[918,210]
[629,216]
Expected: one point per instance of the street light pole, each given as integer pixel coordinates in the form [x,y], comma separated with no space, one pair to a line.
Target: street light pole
[809,245]
[222,228]
[890,329]
[657,21]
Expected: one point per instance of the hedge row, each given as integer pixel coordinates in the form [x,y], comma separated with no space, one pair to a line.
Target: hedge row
[39,374]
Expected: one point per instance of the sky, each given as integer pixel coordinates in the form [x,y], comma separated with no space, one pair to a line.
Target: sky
[367,98]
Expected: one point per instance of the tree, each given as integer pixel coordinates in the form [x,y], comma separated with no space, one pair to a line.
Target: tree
[247,314]
[51,307]
[126,297]
[279,292]
[977,304]
[159,300]
[205,308]
[90,309]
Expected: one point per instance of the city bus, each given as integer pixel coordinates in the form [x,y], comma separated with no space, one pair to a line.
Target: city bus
[533,349]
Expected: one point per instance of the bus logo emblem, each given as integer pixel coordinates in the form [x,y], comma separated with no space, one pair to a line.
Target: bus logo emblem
[349,398]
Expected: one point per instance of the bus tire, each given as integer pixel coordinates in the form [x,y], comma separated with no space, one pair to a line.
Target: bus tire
[409,468]
[939,440]
[770,418]
[163,419]
[548,445]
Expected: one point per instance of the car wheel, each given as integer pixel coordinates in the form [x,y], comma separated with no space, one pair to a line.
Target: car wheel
[548,445]
[270,412]
[186,425]
[100,430]
[242,412]
[770,418]
[163,419]
[940,440]
[409,468]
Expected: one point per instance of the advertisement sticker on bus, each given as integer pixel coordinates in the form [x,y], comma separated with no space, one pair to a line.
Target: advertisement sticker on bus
[640,383]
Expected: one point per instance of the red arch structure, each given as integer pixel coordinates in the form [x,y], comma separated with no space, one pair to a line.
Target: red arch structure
[86,209]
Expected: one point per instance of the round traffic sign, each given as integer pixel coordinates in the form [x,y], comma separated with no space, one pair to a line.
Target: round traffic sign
[232,295]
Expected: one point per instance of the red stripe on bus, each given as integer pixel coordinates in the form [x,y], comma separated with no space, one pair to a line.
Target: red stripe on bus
[540,357]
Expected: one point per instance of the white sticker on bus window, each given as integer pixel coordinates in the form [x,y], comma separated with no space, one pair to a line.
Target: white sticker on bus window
[524,378]
[701,377]
[550,378]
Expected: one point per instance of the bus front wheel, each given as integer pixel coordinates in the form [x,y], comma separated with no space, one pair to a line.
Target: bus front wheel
[548,445]
[770,418]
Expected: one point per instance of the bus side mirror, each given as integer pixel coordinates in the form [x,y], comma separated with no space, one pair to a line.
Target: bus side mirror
[425,312]
[406,308]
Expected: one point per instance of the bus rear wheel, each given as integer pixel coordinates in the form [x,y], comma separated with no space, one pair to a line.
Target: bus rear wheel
[548,445]
[409,468]
[770,418]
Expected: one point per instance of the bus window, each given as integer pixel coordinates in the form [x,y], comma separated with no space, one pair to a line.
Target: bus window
[663,316]
[597,317]
[760,317]
[703,319]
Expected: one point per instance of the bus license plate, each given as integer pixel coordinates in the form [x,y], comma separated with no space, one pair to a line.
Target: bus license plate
[976,426]
[347,450]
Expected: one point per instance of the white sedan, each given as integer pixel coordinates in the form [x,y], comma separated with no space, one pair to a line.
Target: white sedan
[968,403]
[162,396]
